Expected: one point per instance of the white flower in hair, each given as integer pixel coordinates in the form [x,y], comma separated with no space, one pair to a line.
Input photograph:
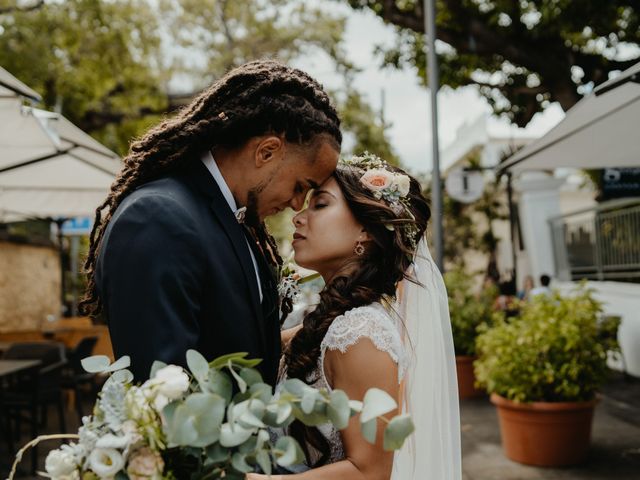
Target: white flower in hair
[403,183]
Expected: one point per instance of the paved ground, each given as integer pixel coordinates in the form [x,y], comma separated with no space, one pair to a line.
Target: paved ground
[615,452]
[614,455]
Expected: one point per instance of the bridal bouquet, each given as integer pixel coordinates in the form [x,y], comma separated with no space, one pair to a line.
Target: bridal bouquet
[210,422]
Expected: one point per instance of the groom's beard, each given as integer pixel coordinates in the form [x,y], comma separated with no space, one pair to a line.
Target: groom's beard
[252,217]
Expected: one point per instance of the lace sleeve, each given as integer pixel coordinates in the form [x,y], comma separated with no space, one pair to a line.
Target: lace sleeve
[371,322]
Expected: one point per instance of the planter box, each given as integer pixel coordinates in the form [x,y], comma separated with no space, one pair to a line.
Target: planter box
[546,434]
[466,378]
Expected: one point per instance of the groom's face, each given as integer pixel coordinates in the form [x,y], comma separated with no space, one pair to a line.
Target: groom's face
[291,172]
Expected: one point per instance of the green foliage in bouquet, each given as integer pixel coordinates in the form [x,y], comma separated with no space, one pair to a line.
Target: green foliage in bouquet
[467,310]
[556,351]
[212,423]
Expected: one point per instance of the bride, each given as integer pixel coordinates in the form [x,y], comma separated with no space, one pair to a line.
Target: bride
[382,321]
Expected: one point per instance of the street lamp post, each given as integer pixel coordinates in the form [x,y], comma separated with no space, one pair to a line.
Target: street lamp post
[433,82]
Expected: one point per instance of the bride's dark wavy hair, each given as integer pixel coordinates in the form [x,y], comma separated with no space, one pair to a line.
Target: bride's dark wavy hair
[365,279]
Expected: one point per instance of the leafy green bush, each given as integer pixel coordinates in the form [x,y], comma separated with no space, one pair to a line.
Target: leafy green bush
[468,311]
[556,351]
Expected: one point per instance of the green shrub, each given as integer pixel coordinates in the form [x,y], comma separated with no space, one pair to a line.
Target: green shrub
[555,351]
[468,310]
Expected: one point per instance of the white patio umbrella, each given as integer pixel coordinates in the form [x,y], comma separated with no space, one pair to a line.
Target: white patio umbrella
[10,86]
[600,131]
[49,168]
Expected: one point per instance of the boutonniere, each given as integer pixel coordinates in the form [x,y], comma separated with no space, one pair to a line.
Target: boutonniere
[289,286]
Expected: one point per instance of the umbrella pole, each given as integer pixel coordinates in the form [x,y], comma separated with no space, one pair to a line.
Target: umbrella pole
[512,227]
[63,286]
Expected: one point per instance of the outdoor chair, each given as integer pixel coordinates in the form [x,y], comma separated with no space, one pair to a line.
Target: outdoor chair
[28,396]
[75,377]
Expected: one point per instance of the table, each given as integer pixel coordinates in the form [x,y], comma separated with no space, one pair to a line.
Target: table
[9,367]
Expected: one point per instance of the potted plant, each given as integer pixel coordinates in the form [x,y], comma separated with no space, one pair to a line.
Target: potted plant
[468,311]
[543,371]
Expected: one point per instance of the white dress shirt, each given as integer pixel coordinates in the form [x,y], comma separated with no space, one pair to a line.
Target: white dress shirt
[212,166]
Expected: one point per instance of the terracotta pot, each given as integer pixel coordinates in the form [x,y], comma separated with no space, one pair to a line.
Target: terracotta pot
[466,378]
[545,434]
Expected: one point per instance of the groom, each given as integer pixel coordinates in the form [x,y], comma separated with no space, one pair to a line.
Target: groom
[181,259]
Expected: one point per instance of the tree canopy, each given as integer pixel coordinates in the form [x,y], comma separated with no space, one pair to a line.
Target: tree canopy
[522,54]
[114,67]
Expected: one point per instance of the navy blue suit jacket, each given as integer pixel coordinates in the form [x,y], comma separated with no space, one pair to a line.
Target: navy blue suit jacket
[174,273]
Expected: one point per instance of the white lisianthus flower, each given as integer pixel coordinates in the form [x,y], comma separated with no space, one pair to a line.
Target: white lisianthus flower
[403,183]
[145,464]
[171,381]
[60,463]
[377,179]
[113,441]
[106,462]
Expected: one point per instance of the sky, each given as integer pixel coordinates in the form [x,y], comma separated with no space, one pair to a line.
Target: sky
[407,104]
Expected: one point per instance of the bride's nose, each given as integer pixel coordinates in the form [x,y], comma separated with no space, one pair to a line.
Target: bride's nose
[298,219]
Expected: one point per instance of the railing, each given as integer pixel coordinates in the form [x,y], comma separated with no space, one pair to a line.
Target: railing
[602,243]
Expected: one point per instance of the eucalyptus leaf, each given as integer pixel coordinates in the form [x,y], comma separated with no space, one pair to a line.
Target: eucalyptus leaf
[295,386]
[261,391]
[308,401]
[398,429]
[242,385]
[376,403]
[262,457]
[338,409]
[183,429]
[197,364]
[216,453]
[355,406]
[251,376]
[284,412]
[232,436]
[369,430]
[122,376]
[220,383]
[222,361]
[289,453]
[261,439]
[121,363]
[96,363]
[239,462]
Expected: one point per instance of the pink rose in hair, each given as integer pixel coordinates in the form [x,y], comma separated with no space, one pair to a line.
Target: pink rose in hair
[377,179]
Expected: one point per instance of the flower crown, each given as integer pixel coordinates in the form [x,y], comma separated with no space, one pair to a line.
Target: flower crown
[391,187]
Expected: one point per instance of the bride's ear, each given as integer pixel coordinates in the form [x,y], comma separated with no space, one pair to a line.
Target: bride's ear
[364,236]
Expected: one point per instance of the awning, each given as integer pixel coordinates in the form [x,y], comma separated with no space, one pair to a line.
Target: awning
[49,168]
[600,131]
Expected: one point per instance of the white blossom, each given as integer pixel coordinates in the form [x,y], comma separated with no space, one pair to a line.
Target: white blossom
[106,462]
[60,463]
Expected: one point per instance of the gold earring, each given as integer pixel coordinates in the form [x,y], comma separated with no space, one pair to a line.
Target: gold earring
[359,249]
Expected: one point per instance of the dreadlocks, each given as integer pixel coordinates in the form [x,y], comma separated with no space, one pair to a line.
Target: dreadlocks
[257,98]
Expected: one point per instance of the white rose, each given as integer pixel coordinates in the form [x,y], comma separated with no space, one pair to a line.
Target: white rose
[60,463]
[145,464]
[403,183]
[377,179]
[106,462]
[172,381]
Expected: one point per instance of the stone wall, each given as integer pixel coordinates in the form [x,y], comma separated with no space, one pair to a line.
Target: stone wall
[29,286]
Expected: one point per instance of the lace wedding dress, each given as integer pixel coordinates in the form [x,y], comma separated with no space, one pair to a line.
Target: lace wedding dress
[372,322]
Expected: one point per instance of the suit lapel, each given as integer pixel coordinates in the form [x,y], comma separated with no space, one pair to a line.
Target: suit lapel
[202,178]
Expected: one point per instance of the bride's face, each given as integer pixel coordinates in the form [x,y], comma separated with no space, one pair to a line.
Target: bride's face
[326,232]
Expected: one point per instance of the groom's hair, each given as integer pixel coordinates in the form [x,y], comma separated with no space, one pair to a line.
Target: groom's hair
[257,98]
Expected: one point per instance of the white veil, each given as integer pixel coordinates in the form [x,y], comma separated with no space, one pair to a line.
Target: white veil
[430,392]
